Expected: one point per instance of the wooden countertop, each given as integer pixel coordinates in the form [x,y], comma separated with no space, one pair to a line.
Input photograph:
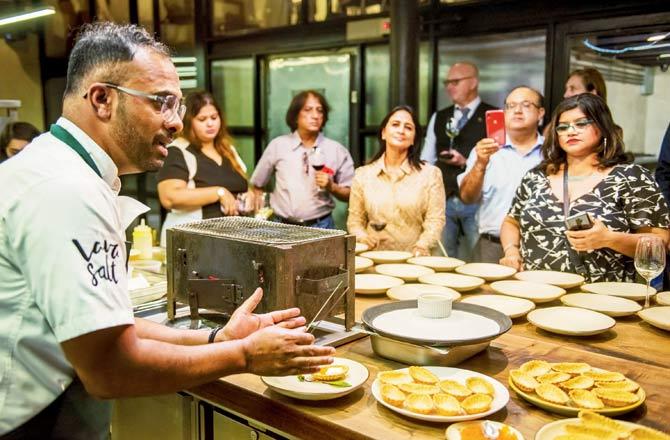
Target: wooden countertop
[632,347]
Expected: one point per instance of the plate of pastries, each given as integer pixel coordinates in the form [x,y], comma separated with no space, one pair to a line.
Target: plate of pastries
[439,394]
[593,426]
[568,387]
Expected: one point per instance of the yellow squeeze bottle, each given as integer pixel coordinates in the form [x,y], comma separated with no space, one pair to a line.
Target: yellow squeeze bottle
[142,241]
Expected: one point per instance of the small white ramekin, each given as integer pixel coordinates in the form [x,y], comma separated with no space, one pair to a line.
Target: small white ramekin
[434,305]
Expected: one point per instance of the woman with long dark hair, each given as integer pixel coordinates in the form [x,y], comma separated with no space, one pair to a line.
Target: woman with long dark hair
[14,137]
[201,177]
[585,155]
[397,201]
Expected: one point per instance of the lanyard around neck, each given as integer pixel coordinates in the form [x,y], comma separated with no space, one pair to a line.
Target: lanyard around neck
[63,135]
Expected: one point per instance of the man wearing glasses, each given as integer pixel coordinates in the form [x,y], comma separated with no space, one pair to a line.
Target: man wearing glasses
[451,134]
[493,172]
[68,338]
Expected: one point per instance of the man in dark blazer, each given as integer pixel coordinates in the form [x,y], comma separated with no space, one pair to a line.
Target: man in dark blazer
[467,116]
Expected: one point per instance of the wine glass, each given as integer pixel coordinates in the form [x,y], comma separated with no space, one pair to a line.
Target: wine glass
[376,222]
[317,160]
[649,260]
[452,131]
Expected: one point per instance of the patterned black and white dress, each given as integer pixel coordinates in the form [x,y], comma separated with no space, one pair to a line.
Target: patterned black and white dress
[627,199]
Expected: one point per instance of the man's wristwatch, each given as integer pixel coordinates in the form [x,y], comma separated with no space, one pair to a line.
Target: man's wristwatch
[221,192]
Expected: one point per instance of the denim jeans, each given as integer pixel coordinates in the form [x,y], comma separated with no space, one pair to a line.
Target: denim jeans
[461,232]
[324,223]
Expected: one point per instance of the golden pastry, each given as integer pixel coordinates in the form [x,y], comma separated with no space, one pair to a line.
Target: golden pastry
[394,377]
[536,367]
[586,399]
[591,431]
[648,434]
[624,385]
[589,418]
[391,394]
[418,388]
[419,403]
[479,385]
[446,404]
[571,367]
[605,376]
[331,373]
[456,389]
[423,375]
[616,398]
[552,393]
[580,382]
[524,381]
[574,437]
[554,377]
[477,403]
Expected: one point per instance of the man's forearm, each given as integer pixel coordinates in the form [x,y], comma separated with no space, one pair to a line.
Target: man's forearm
[340,192]
[472,183]
[158,332]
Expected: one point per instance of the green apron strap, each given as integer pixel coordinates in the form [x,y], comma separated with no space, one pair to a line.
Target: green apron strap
[63,135]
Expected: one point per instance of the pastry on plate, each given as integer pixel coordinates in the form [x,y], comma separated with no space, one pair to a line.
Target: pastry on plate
[580,382]
[419,403]
[648,434]
[479,385]
[477,403]
[589,418]
[446,404]
[423,375]
[418,388]
[552,393]
[605,376]
[571,367]
[456,389]
[331,373]
[624,385]
[392,395]
[585,399]
[590,431]
[524,381]
[616,398]
[394,377]
[535,367]
[554,377]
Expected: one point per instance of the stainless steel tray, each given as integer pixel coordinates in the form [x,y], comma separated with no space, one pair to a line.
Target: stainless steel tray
[412,354]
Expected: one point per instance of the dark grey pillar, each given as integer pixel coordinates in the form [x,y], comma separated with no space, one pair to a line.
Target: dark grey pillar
[404,52]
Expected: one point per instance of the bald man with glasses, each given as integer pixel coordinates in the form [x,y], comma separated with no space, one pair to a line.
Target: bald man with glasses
[465,121]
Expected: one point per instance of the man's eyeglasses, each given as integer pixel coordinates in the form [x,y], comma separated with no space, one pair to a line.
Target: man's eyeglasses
[578,126]
[523,105]
[171,106]
[455,81]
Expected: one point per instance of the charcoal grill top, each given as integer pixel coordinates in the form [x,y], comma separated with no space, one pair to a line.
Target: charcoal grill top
[257,231]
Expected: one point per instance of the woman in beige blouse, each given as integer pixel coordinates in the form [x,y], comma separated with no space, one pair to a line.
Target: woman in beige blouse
[397,201]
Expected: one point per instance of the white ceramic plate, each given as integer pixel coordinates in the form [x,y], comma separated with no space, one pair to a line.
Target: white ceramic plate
[561,279]
[292,387]
[488,271]
[371,284]
[554,429]
[412,291]
[407,272]
[462,283]
[361,247]
[607,304]
[509,305]
[499,401]
[571,321]
[381,257]
[438,264]
[663,298]
[362,263]
[536,292]
[454,433]
[657,316]
[634,291]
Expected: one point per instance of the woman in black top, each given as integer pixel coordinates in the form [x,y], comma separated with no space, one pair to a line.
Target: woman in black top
[622,199]
[202,179]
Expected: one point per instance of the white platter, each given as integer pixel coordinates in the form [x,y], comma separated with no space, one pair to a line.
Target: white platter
[292,387]
[657,316]
[565,280]
[488,271]
[413,290]
[407,272]
[462,283]
[509,305]
[381,257]
[571,321]
[536,292]
[361,247]
[555,429]
[500,399]
[663,298]
[438,264]
[607,304]
[634,291]
[371,284]
[362,263]
[454,433]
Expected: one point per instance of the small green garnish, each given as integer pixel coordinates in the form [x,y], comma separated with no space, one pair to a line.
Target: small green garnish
[335,383]
[301,378]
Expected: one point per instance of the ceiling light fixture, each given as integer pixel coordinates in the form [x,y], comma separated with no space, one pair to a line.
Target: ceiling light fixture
[28,15]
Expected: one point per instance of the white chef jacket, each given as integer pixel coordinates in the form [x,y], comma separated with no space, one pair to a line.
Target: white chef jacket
[62,266]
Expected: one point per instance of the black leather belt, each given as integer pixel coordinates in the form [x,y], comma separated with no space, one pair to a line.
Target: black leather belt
[490,237]
[292,221]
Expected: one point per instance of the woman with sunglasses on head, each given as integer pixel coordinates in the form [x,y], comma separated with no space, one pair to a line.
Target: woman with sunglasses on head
[201,177]
[586,178]
[397,201]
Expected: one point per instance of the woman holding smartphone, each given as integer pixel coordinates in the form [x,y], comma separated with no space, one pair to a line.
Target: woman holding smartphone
[584,154]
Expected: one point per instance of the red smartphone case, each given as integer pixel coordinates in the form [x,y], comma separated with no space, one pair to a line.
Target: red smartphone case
[495,126]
